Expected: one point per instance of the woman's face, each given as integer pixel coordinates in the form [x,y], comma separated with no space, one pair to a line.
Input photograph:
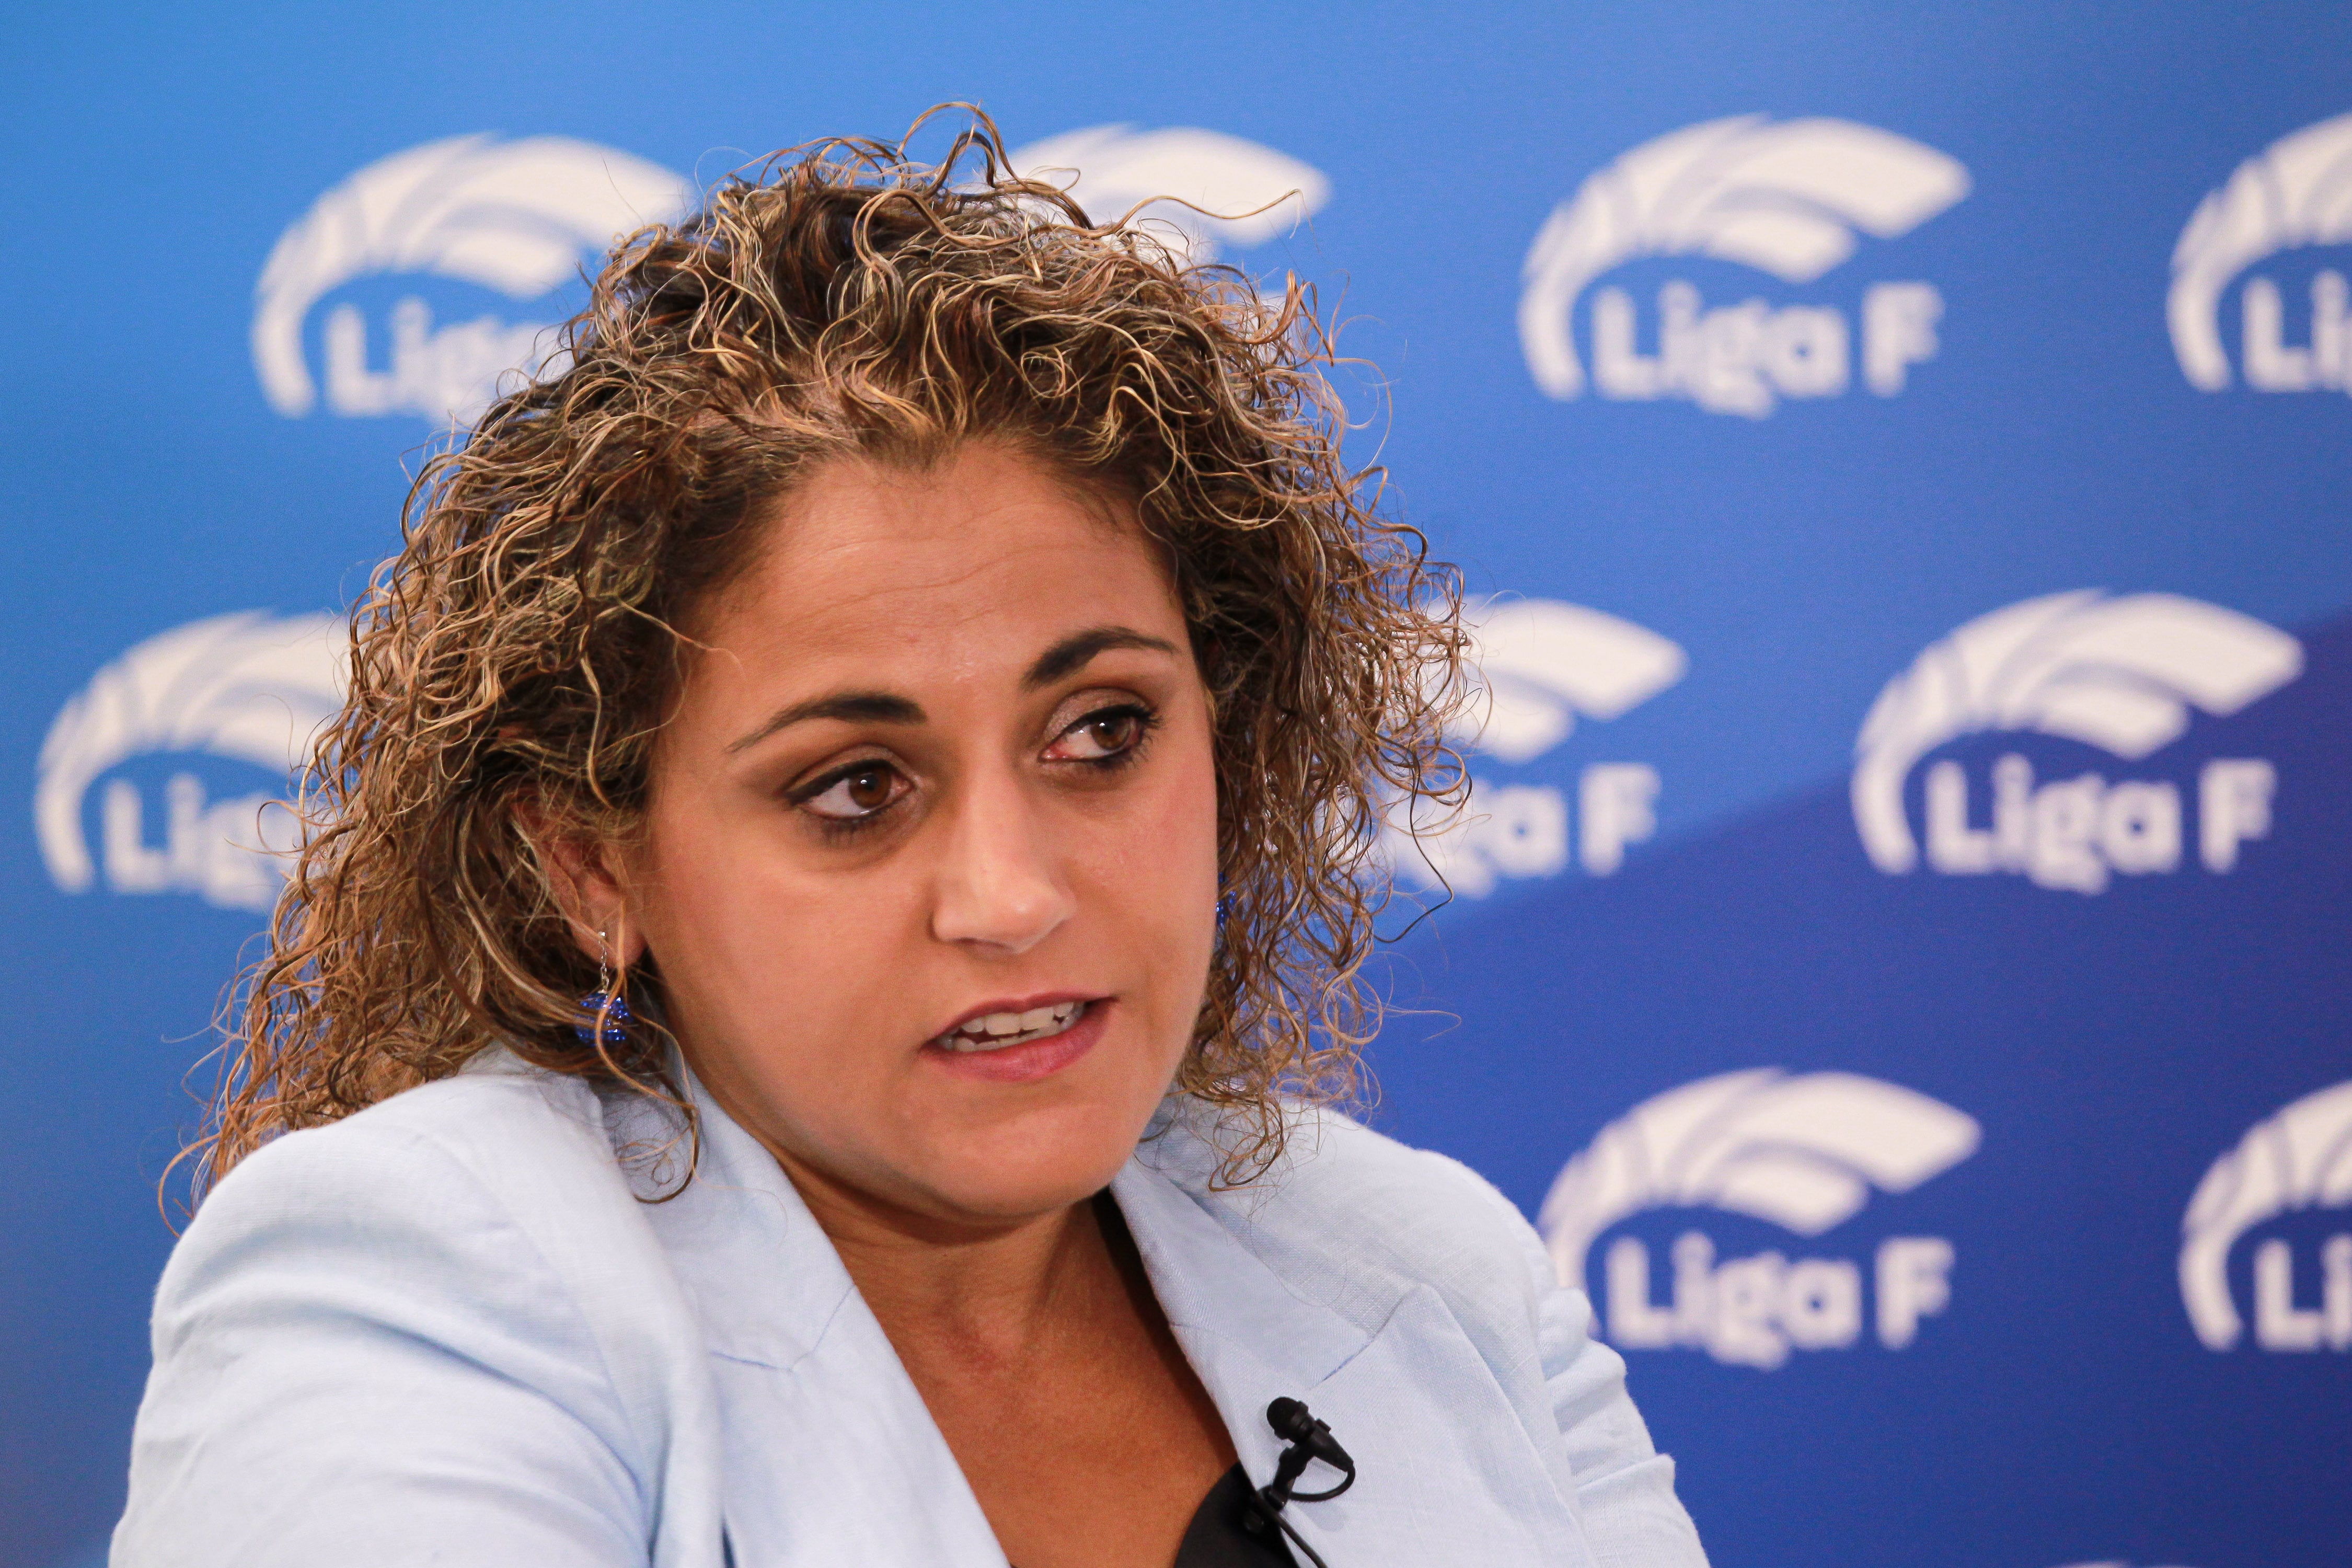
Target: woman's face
[929,863]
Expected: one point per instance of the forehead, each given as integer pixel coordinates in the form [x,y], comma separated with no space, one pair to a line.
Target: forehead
[985,556]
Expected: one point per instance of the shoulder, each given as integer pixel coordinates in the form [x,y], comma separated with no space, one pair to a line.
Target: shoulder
[463,1146]
[1369,1218]
[490,1197]
[471,1233]
[1425,1211]
[457,1280]
[496,1102]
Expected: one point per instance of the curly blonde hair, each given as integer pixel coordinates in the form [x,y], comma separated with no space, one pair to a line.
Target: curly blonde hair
[521,650]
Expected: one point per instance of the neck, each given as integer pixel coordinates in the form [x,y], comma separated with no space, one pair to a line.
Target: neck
[1001,1289]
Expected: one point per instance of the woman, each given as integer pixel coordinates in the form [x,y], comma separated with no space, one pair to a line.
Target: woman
[797,1034]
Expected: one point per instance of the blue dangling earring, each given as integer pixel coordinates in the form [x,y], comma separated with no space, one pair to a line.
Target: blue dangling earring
[603,1004]
[1224,905]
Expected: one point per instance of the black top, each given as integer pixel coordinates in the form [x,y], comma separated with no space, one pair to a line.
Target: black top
[1230,1530]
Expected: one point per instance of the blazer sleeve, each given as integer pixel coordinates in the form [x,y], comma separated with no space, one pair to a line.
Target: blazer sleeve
[361,1358]
[1623,1488]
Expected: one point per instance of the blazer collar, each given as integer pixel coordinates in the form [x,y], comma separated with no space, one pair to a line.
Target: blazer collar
[1257,1318]
[767,1280]
[1249,1334]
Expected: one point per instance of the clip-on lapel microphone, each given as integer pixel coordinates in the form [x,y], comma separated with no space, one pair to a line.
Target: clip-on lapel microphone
[1310,1440]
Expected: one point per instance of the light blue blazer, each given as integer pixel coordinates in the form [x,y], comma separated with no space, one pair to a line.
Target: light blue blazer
[445,1330]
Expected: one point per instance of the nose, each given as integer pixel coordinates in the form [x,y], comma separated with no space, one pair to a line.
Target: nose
[1000,889]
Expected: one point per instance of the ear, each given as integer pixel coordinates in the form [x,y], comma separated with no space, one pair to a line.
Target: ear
[590,880]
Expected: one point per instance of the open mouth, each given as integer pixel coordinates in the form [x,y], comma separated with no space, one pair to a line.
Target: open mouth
[994,1031]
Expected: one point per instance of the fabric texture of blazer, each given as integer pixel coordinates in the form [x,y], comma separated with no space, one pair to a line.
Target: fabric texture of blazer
[448,1331]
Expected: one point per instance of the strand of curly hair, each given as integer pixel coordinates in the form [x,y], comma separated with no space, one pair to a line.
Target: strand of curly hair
[511,666]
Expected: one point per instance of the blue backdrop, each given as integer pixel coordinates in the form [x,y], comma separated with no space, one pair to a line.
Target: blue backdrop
[1900,951]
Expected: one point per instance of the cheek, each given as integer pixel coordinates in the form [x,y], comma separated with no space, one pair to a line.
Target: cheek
[1158,876]
[760,964]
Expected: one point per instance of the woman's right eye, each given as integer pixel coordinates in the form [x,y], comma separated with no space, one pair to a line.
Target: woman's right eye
[854,793]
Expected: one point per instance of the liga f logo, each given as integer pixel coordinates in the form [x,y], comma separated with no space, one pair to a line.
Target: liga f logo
[1225,191]
[1791,199]
[521,217]
[251,688]
[2300,1158]
[2122,674]
[1804,1152]
[1533,668]
[2295,192]
[1535,664]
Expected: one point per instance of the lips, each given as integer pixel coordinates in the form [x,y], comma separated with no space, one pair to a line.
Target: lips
[1019,1043]
[996,1031]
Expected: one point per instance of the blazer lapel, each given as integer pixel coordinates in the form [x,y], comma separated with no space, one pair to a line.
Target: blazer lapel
[1445,1471]
[831,1455]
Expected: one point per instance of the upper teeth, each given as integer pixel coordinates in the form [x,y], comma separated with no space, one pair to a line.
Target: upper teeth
[992,1031]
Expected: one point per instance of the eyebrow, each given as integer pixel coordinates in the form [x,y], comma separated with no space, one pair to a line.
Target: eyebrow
[1074,652]
[850,707]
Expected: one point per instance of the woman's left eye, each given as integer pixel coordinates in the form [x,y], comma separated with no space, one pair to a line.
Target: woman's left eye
[1100,736]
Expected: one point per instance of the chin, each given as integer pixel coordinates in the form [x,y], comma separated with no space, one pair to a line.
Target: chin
[1033,1164]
